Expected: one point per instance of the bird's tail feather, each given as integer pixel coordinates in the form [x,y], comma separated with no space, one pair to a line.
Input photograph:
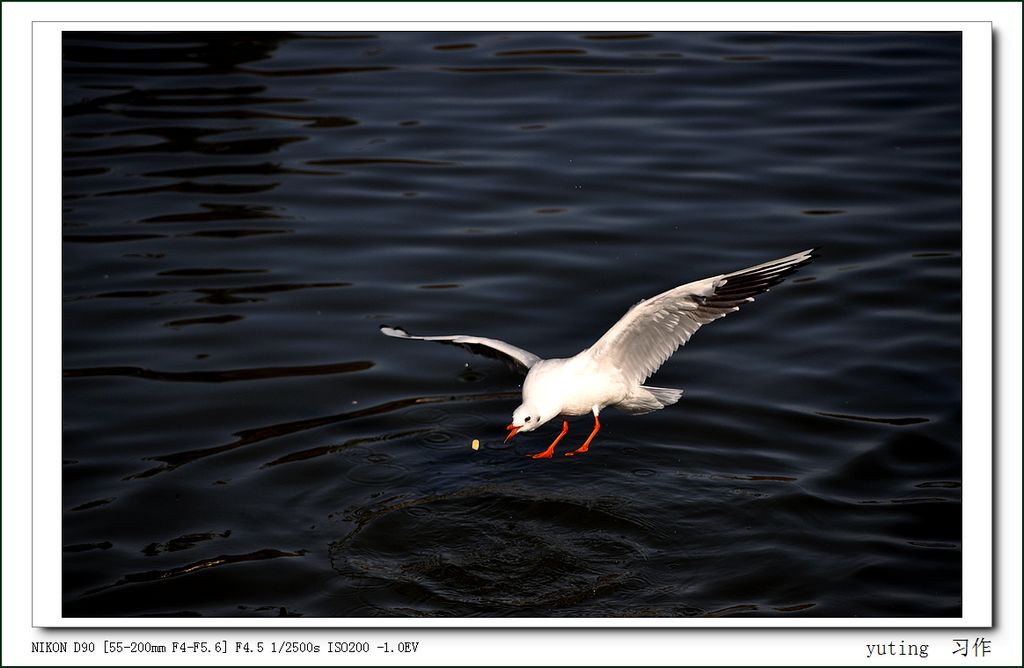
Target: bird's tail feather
[666,396]
[650,399]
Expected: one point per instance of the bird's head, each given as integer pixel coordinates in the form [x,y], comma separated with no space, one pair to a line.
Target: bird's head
[525,418]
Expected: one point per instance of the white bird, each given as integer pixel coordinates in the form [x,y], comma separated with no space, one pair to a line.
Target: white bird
[612,371]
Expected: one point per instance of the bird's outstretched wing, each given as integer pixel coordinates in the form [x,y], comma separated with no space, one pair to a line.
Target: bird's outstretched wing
[517,358]
[640,342]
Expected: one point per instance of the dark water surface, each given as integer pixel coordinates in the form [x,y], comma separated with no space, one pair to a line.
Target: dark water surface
[243,211]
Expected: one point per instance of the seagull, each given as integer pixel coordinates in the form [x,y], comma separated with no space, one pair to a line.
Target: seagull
[612,371]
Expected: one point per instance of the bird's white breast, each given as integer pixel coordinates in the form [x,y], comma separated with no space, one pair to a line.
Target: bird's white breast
[574,385]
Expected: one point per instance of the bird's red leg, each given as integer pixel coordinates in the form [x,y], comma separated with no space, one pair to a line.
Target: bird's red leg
[586,443]
[551,448]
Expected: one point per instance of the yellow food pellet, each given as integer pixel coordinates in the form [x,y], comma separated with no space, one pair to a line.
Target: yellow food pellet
[476,444]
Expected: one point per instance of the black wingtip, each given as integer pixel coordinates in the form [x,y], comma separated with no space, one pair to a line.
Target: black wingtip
[809,256]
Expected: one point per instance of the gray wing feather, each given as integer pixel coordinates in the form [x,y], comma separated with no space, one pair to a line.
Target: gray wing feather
[517,358]
[653,329]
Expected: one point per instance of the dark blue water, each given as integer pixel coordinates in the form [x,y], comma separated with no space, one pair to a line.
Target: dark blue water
[243,211]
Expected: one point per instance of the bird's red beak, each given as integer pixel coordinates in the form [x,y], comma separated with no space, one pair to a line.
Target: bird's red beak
[512,429]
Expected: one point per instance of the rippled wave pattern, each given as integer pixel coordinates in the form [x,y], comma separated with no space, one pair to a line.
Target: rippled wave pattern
[243,210]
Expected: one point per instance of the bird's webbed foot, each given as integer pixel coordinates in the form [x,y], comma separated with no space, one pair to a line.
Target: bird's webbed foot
[551,448]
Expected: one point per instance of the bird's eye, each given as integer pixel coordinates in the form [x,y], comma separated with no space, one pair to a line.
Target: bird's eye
[527,418]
